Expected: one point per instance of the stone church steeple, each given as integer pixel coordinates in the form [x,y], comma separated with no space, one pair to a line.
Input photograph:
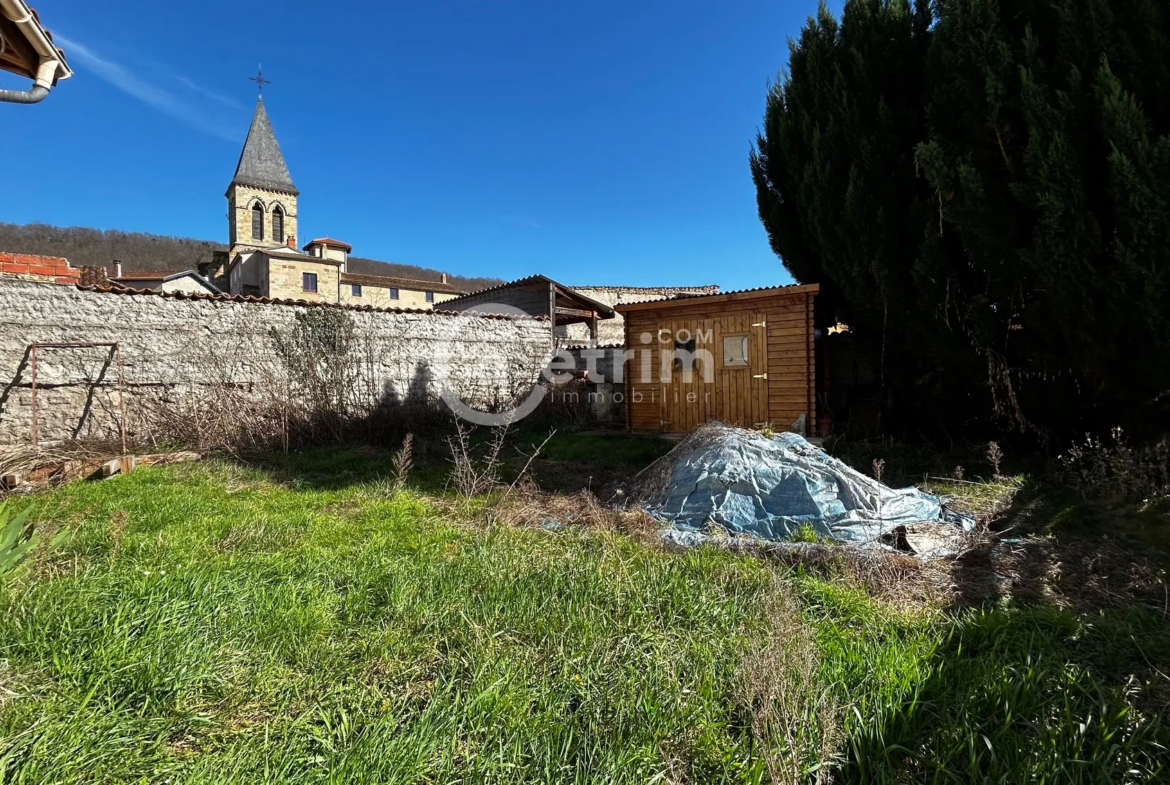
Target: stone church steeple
[262,200]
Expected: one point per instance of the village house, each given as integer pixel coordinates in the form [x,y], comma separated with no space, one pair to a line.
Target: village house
[264,260]
[188,281]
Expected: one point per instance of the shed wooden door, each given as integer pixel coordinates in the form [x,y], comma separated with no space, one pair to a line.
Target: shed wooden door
[687,400]
[741,377]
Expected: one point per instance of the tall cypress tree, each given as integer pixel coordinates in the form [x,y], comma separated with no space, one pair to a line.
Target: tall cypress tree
[982,189]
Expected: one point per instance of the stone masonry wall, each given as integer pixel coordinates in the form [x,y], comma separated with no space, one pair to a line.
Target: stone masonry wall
[240,201]
[379,297]
[286,279]
[177,348]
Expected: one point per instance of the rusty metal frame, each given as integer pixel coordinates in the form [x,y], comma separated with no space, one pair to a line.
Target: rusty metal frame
[115,345]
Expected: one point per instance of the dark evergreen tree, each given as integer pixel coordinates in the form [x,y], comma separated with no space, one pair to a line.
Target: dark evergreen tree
[981,189]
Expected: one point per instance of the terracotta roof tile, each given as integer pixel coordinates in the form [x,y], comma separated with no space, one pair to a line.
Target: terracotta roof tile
[329,241]
[230,298]
[391,282]
[139,275]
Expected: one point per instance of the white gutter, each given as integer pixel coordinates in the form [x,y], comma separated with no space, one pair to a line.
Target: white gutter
[52,66]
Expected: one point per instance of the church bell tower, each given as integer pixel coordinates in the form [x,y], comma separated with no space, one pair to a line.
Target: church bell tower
[262,200]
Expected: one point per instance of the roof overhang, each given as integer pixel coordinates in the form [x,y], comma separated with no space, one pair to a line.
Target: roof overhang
[29,50]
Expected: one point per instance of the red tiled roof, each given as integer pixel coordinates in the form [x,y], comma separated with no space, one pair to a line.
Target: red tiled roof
[236,298]
[390,282]
[140,275]
[330,241]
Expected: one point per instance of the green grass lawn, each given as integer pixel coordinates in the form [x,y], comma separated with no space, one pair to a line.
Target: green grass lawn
[293,621]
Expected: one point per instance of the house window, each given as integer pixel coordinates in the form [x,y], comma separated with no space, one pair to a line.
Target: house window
[735,351]
[430,297]
[393,294]
[356,289]
[309,282]
[257,222]
[278,225]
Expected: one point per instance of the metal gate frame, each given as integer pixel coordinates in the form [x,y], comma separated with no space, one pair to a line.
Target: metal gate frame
[115,345]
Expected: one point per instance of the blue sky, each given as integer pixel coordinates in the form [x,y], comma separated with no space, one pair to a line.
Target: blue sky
[598,143]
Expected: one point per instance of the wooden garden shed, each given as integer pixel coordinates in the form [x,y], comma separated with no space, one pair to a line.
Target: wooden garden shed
[760,344]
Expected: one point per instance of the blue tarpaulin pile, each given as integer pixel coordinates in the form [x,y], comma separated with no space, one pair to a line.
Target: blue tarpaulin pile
[770,487]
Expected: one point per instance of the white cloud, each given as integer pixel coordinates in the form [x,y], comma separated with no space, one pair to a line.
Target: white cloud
[132,84]
[223,99]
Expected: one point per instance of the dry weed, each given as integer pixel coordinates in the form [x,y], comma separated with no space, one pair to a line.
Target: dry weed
[795,719]
[1114,469]
[117,532]
[532,508]
[38,467]
[403,461]
[473,475]
[1080,574]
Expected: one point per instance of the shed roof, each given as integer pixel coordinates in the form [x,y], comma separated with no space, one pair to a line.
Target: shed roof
[587,303]
[722,297]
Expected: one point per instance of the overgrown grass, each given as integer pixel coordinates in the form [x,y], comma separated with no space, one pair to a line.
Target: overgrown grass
[294,622]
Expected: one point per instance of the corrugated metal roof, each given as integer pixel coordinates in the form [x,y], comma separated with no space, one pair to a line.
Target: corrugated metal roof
[650,304]
[599,307]
[599,346]
[237,298]
[506,284]
[684,295]
[705,288]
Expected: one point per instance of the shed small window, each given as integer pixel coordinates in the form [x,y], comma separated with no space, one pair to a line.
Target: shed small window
[393,294]
[309,282]
[735,351]
[430,297]
[257,222]
[356,290]
[278,225]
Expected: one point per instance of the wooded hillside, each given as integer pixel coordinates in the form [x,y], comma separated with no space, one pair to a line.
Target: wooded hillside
[139,251]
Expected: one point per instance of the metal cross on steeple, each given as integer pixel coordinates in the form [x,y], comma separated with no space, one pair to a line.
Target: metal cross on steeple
[259,80]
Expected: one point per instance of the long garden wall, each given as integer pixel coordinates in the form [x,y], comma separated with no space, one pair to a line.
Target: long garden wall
[178,349]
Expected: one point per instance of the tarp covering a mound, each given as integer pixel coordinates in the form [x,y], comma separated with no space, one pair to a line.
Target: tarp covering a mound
[771,487]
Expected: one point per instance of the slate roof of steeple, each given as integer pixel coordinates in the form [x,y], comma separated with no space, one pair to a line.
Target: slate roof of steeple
[261,163]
